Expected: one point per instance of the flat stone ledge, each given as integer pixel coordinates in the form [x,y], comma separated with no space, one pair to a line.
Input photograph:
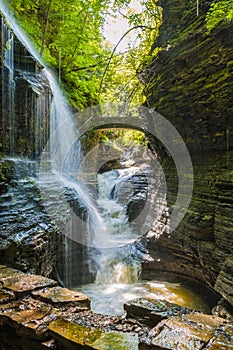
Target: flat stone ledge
[19,282]
[152,311]
[27,319]
[190,331]
[62,296]
[8,273]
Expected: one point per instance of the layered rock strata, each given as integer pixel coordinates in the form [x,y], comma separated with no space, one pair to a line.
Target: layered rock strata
[190,83]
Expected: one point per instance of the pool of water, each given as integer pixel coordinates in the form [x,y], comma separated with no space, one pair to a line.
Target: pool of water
[109,299]
[119,265]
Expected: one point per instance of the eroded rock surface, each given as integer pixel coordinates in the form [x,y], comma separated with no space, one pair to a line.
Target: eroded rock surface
[190,83]
[190,331]
[52,317]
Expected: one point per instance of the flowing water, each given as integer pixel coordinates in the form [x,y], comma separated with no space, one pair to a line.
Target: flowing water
[119,257]
[62,154]
[118,277]
[8,83]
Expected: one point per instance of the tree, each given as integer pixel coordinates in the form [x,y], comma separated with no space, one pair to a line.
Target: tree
[129,64]
[68,36]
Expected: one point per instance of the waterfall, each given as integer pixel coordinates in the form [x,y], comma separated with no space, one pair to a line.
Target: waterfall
[61,157]
[119,263]
[25,94]
[8,86]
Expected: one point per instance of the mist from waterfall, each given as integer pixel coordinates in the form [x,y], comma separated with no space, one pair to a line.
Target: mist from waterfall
[61,157]
[8,79]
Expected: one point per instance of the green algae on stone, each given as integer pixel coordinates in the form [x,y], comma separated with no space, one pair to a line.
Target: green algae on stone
[68,332]
[116,341]
[73,336]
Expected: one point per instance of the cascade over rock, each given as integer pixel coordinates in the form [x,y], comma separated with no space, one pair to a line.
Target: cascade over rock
[190,83]
[29,239]
[25,99]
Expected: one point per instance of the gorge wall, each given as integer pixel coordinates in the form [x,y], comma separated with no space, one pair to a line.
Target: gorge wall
[190,83]
[25,99]
[29,239]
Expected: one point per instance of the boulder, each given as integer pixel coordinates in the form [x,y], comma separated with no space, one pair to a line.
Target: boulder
[189,331]
[73,337]
[152,311]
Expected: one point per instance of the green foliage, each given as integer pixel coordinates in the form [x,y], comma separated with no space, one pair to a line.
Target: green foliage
[121,83]
[123,137]
[218,12]
[68,36]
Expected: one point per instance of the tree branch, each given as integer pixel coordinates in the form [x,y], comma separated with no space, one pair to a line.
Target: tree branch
[113,51]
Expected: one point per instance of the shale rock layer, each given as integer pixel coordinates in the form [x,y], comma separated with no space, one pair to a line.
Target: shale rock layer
[190,83]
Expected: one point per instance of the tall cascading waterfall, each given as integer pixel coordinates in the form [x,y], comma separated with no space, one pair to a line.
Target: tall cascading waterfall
[59,165]
[8,88]
[25,98]
[119,261]
[59,160]
[66,154]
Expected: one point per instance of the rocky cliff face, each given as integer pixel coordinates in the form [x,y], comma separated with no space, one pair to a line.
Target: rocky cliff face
[25,99]
[29,239]
[190,83]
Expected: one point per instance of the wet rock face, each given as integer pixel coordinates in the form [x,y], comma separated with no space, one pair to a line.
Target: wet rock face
[29,240]
[25,100]
[190,83]
[191,331]
[26,231]
[152,311]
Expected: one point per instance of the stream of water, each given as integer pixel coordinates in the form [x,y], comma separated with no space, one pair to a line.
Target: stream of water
[118,276]
[119,258]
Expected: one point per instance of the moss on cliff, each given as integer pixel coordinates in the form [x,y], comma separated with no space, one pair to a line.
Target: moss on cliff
[190,83]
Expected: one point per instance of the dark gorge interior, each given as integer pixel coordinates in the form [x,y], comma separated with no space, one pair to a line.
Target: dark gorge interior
[189,83]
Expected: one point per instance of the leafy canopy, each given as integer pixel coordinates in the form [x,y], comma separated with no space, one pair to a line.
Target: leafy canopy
[68,34]
[219,11]
[120,81]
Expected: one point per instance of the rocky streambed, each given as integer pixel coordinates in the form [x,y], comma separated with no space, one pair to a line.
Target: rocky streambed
[36,313]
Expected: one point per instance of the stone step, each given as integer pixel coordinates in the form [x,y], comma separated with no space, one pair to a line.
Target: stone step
[152,311]
[73,337]
[190,331]
[62,296]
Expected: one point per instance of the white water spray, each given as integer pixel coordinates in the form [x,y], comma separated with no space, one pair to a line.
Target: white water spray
[63,156]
